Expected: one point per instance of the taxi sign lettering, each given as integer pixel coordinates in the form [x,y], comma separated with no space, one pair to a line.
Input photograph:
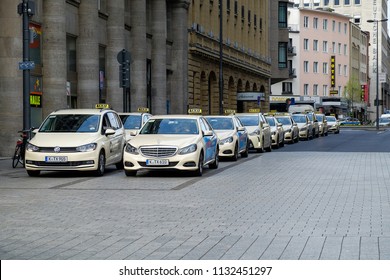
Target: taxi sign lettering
[102,106]
[195,111]
[228,111]
[143,109]
[254,110]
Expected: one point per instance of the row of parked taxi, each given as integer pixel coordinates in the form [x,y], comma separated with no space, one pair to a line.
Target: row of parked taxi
[92,139]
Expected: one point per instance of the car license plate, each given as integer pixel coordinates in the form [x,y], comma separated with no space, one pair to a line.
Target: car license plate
[161,162]
[56,159]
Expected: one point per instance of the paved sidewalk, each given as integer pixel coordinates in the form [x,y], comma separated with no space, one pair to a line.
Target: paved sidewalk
[338,207]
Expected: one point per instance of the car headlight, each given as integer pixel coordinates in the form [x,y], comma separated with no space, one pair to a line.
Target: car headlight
[189,149]
[86,148]
[131,149]
[32,148]
[288,130]
[226,140]
[255,133]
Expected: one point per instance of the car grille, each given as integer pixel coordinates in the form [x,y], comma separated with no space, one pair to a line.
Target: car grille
[158,151]
[58,164]
[62,150]
[171,164]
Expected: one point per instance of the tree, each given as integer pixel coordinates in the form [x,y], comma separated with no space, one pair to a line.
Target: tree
[352,92]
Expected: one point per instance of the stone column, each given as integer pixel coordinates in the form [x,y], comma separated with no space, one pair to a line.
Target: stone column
[11,82]
[88,55]
[179,89]
[115,43]
[54,56]
[159,57]
[138,54]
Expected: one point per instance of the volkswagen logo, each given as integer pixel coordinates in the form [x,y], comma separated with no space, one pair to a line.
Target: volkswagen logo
[57,149]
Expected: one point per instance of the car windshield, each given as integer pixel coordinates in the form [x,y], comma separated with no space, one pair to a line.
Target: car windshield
[131,121]
[384,120]
[310,116]
[331,119]
[221,123]
[284,121]
[170,126]
[320,117]
[71,123]
[271,121]
[249,120]
[299,119]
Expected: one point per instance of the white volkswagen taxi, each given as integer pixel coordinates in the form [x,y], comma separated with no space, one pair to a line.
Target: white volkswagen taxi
[76,139]
[232,134]
[172,142]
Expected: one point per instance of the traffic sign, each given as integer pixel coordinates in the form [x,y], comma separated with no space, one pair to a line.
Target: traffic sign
[26,65]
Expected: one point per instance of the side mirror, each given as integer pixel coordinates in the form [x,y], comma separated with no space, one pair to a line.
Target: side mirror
[133,133]
[208,133]
[240,128]
[109,131]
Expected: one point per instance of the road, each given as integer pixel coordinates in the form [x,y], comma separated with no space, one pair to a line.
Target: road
[327,198]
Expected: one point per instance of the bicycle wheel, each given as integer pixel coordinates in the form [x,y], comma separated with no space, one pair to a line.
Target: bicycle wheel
[16,158]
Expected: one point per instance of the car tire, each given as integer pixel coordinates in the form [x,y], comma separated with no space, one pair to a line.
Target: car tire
[215,163]
[33,173]
[101,168]
[131,173]
[119,165]
[235,153]
[269,148]
[246,152]
[199,171]
[282,142]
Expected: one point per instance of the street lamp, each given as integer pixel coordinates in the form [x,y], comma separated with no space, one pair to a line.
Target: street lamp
[377,69]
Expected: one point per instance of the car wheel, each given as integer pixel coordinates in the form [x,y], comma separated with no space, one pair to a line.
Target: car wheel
[130,172]
[282,142]
[269,148]
[276,146]
[215,163]
[199,170]
[33,173]
[119,165]
[101,164]
[235,155]
[246,152]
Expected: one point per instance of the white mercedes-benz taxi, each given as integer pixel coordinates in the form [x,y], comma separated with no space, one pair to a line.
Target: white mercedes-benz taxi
[232,134]
[76,139]
[172,142]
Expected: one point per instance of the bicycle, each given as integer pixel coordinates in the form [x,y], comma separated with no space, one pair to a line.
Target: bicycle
[20,148]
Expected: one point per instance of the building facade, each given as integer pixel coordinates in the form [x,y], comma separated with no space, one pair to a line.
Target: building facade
[173,48]
[360,11]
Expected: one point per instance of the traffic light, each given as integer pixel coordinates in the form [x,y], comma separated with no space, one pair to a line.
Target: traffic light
[123,58]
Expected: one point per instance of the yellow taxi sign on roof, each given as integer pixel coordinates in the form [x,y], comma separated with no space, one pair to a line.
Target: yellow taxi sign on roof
[254,110]
[143,109]
[229,111]
[102,106]
[195,111]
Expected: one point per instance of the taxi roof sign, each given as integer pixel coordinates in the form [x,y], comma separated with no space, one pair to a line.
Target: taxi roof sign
[143,109]
[229,111]
[195,111]
[254,110]
[102,106]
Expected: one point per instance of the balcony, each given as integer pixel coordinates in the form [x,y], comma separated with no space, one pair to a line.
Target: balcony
[291,73]
[291,50]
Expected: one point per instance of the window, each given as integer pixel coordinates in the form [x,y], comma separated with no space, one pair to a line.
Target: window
[315,89]
[282,55]
[347,2]
[315,23]
[326,2]
[71,53]
[325,68]
[334,47]
[315,67]
[324,90]
[228,6]
[306,21]
[333,25]
[306,44]
[339,49]
[102,74]
[339,69]
[345,28]
[249,17]
[315,45]
[345,49]
[305,89]
[282,16]
[242,13]
[357,2]
[345,70]
[306,66]
[325,24]
[287,87]
[235,8]
[339,27]
[336,2]
[255,20]
[325,46]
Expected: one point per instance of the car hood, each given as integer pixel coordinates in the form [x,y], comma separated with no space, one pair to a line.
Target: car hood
[287,127]
[251,129]
[300,125]
[179,140]
[222,134]
[42,139]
